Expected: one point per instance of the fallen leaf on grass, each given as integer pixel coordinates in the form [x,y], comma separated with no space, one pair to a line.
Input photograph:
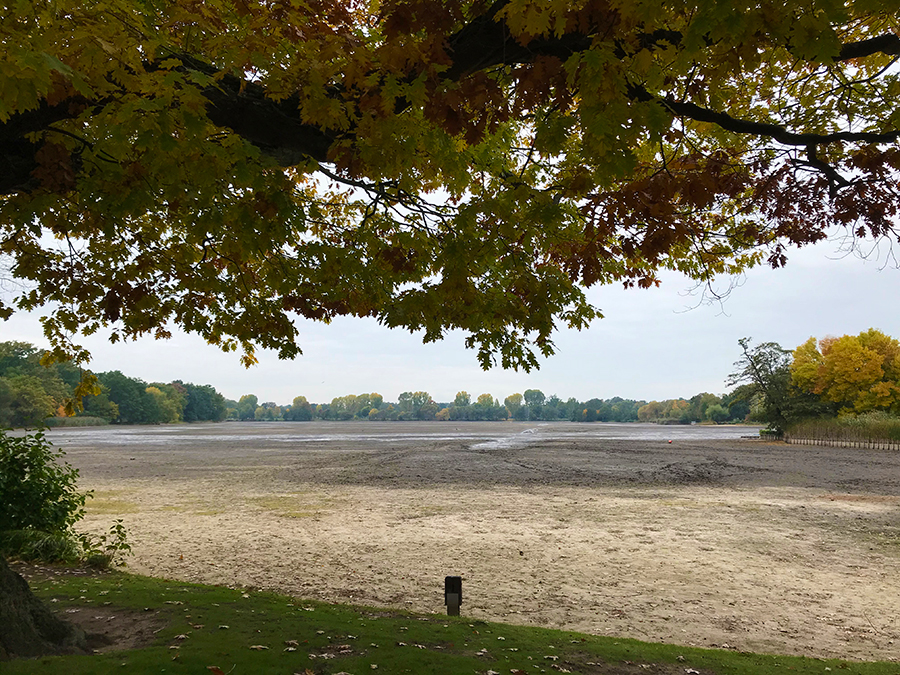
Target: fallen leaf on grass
[215,670]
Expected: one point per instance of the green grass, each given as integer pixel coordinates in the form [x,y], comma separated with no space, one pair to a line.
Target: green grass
[110,502]
[204,626]
[296,505]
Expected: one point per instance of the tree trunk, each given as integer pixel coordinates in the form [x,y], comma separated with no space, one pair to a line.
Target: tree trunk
[27,626]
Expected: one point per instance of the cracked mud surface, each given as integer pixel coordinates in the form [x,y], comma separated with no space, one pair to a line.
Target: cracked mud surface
[708,541]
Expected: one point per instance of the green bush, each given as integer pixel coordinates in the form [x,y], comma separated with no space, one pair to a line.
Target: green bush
[103,550]
[39,500]
[43,546]
[40,504]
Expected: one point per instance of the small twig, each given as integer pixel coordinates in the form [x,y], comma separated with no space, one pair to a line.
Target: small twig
[870,622]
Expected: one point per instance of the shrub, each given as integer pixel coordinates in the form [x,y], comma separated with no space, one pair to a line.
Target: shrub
[40,504]
[102,550]
[37,488]
[43,546]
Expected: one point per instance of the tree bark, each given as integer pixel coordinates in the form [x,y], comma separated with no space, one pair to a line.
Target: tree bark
[27,627]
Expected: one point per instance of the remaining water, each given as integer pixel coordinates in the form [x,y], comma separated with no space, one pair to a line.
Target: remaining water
[478,434]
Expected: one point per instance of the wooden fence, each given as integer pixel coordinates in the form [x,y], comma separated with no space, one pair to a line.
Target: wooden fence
[843,443]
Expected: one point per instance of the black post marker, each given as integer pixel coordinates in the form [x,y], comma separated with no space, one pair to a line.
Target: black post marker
[453,595]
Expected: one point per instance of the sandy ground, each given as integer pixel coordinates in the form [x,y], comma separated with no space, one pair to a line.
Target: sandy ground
[734,544]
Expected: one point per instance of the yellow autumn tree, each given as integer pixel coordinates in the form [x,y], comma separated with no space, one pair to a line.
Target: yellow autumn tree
[861,373]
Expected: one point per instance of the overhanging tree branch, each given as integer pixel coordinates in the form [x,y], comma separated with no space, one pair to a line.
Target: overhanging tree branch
[884,44]
[774,131]
[485,42]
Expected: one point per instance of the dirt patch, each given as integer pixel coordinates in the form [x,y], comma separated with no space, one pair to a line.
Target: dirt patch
[588,665]
[107,628]
[110,629]
[715,543]
[36,572]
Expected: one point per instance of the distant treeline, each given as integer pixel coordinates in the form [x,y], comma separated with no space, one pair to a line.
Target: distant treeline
[532,405]
[31,395]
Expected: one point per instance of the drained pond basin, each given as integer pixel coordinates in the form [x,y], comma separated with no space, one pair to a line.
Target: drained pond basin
[707,540]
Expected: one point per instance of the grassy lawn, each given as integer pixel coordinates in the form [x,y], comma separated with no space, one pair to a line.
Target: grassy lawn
[196,629]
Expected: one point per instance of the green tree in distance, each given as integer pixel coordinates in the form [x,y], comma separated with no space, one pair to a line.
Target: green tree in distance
[24,402]
[766,370]
[299,411]
[130,395]
[203,403]
[99,405]
[247,407]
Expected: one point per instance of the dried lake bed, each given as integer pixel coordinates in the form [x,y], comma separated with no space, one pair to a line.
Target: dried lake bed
[709,540]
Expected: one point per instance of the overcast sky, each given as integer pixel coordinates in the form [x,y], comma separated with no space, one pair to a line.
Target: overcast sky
[652,344]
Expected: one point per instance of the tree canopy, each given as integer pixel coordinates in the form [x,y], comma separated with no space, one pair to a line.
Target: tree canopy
[860,373]
[228,165]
